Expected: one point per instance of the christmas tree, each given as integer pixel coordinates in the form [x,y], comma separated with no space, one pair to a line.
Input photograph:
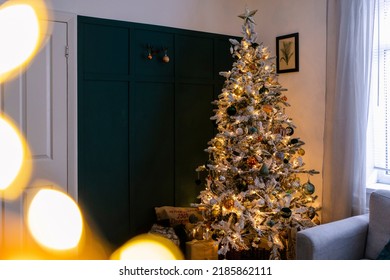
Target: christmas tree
[253,193]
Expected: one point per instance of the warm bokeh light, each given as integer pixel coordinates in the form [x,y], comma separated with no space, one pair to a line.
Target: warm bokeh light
[148,247]
[11,151]
[55,220]
[15,162]
[23,30]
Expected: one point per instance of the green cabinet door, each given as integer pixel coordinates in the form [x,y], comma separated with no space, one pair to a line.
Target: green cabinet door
[151,152]
[104,158]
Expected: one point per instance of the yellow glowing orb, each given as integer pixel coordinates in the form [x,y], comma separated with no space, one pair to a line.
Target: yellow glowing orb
[55,220]
[23,27]
[148,247]
[11,151]
[15,164]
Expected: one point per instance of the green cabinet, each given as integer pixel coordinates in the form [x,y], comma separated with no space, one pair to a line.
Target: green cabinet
[143,124]
[103,156]
[151,152]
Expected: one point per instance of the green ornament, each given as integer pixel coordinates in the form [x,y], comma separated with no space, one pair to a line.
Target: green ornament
[308,188]
[271,223]
[311,212]
[264,171]
[242,186]
[231,111]
[263,89]
[289,131]
[285,212]
[252,130]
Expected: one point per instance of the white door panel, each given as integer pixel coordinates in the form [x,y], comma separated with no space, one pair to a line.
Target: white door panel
[46,110]
[37,102]
[13,97]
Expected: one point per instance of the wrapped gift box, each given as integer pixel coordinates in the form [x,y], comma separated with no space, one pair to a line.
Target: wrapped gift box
[201,250]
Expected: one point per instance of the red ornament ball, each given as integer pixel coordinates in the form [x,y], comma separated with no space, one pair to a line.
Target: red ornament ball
[251,161]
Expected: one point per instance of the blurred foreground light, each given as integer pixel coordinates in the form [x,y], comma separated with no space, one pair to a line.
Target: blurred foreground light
[148,247]
[15,160]
[54,220]
[23,30]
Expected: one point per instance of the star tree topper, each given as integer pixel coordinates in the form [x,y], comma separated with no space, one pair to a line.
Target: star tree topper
[248,15]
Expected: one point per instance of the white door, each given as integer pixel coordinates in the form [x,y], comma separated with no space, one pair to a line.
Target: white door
[37,102]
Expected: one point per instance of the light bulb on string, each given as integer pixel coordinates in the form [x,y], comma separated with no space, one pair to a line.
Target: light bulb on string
[54,220]
[15,160]
[148,247]
[24,28]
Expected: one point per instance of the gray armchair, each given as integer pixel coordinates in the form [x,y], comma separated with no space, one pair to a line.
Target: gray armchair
[358,237]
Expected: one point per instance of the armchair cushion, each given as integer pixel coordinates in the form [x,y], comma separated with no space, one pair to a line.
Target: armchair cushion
[344,239]
[379,228]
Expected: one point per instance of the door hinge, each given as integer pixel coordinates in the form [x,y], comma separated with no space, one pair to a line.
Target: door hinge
[66,51]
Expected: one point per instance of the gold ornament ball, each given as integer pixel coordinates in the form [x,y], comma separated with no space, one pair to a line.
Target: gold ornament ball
[228,203]
[237,91]
[215,211]
[301,152]
[218,144]
[166,58]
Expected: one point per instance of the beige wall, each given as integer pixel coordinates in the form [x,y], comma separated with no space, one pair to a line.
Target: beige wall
[217,16]
[306,88]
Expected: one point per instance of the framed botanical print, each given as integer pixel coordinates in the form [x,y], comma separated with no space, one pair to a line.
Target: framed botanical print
[287,53]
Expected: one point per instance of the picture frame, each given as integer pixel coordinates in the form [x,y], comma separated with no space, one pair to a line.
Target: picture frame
[287,53]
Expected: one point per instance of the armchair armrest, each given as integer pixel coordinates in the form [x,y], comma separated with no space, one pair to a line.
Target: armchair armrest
[343,239]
